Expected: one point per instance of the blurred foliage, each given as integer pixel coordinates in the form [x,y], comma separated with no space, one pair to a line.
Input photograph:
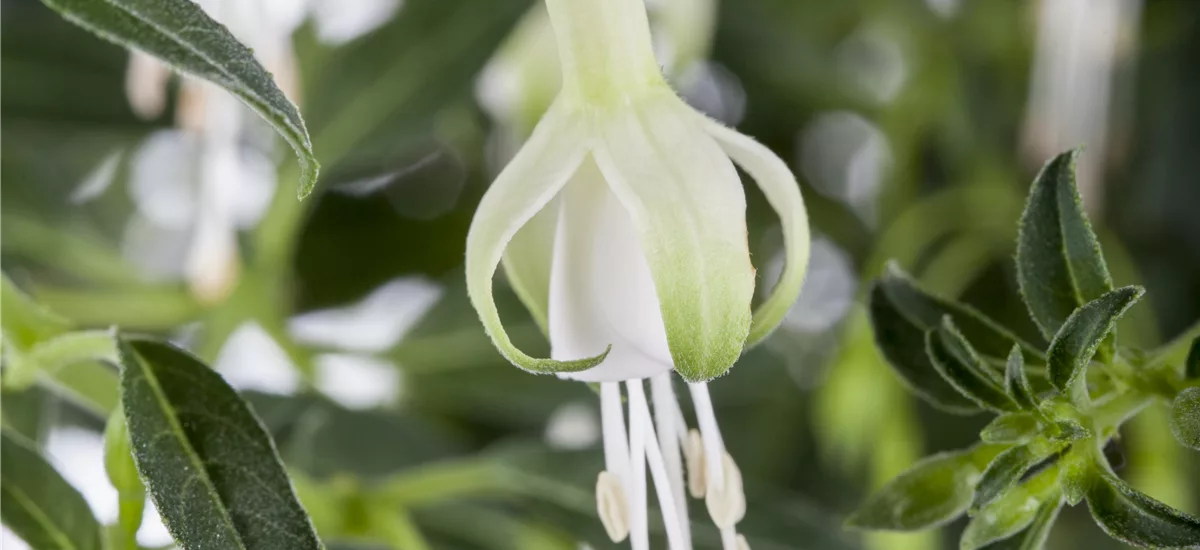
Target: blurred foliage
[815,418]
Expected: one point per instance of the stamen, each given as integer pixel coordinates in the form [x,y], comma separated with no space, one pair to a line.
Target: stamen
[638,527]
[714,447]
[658,472]
[741,543]
[727,505]
[616,443]
[729,539]
[613,508]
[667,418]
[693,451]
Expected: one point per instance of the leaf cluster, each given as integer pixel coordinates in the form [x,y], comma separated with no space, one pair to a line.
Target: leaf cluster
[1057,406]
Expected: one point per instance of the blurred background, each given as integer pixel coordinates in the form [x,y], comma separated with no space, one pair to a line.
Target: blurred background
[134,198]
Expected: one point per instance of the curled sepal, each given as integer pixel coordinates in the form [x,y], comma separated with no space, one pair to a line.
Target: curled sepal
[686,202]
[527,262]
[1136,519]
[539,171]
[1033,537]
[1185,418]
[954,358]
[1016,383]
[932,492]
[1076,342]
[782,191]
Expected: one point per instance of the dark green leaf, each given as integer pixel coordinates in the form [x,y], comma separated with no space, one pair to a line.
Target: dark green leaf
[1191,367]
[902,343]
[209,465]
[1011,428]
[38,504]
[1007,469]
[1076,342]
[1134,518]
[179,33]
[954,358]
[1034,536]
[1059,263]
[1185,418]
[927,310]
[932,492]
[1016,383]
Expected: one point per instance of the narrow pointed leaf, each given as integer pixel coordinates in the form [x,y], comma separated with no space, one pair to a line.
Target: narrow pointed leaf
[23,320]
[1134,518]
[1000,520]
[1016,383]
[926,310]
[902,343]
[1059,263]
[208,463]
[1011,428]
[180,34]
[38,505]
[1007,469]
[1185,418]
[934,491]
[1033,537]
[953,358]
[1076,342]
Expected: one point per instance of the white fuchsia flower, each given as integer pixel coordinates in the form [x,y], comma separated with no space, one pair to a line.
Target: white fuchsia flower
[621,226]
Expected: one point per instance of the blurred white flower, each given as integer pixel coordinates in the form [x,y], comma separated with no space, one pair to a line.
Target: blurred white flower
[846,157]
[252,360]
[358,381]
[573,426]
[375,323]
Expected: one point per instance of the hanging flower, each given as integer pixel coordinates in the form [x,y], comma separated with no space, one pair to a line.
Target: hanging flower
[621,225]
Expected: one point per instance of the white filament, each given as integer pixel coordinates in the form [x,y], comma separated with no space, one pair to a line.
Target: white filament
[670,430]
[612,421]
[658,472]
[714,447]
[639,528]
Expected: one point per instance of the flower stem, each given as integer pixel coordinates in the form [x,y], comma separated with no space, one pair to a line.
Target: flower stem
[604,47]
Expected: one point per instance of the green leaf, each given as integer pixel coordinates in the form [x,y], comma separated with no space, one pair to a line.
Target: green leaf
[1059,263]
[902,343]
[932,492]
[1000,520]
[1007,469]
[210,466]
[1076,342]
[38,504]
[1191,367]
[954,358]
[123,475]
[1016,383]
[1011,428]
[1134,518]
[1034,536]
[179,33]
[1185,418]
[926,310]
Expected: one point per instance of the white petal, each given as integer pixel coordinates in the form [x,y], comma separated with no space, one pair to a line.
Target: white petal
[146,84]
[358,381]
[252,360]
[687,203]
[601,291]
[538,172]
[782,191]
[162,180]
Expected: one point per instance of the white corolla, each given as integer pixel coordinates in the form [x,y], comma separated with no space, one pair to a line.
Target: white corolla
[621,225]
